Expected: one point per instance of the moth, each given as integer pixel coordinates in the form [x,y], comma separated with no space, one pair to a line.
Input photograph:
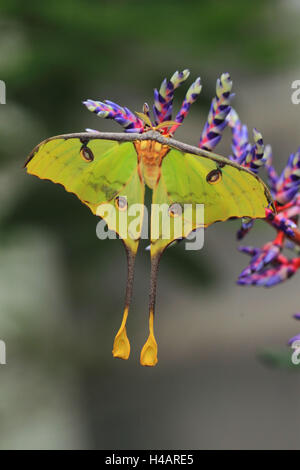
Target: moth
[112,169]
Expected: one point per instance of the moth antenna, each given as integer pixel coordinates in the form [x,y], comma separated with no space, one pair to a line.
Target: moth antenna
[149,351]
[121,347]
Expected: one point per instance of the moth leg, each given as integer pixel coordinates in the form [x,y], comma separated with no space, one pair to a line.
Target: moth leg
[121,347]
[149,351]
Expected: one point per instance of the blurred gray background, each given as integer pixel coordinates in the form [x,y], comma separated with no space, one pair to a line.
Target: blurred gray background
[62,289]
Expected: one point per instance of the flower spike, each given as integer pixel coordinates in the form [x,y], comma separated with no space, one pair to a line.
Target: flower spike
[111,110]
[270,277]
[254,158]
[260,257]
[289,181]
[282,223]
[220,108]
[240,140]
[246,226]
[163,99]
[190,98]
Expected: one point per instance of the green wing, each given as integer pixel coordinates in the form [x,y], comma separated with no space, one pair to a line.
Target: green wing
[225,190]
[185,181]
[104,175]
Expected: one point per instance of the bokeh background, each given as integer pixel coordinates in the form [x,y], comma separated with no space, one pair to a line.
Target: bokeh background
[61,289]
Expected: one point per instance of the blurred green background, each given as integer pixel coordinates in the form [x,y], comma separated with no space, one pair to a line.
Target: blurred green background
[61,289]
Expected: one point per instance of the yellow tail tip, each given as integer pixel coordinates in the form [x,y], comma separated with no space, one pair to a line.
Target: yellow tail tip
[121,346]
[149,352]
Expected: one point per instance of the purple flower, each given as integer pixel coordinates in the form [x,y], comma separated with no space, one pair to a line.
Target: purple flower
[163,99]
[282,223]
[289,181]
[190,98]
[253,158]
[219,110]
[295,338]
[260,257]
[246,226]
[269,277]
[240,141]
[111,110]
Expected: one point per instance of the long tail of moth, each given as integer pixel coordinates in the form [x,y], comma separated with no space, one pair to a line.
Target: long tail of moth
[149,350]
[121,347]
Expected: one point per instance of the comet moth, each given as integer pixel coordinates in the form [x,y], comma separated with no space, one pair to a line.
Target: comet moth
[110,171]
